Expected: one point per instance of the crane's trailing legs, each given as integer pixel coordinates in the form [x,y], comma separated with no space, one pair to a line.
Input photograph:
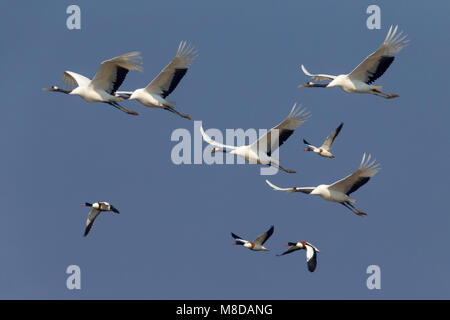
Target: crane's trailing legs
[171,109]
[384,95]
[118,106]
[351,207]
[286,170]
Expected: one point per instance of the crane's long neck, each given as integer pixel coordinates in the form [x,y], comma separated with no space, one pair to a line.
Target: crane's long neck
[313,85]
[56,89]
[221,150]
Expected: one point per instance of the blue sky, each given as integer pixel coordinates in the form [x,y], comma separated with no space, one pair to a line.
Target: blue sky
[172,239]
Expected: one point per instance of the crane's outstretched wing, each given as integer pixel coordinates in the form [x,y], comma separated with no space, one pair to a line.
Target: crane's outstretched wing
[90,220]
[330,139]
[112,72]
[212,142]
[358,178]
[274,138]
[377,63]
[306,190]
[318,77]
[172,74]
[263,238]
[72,80]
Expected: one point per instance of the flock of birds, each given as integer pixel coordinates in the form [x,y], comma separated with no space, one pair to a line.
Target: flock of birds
[112,73]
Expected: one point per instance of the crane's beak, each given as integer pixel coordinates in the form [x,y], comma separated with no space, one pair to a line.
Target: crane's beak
[303,85]
[47,89]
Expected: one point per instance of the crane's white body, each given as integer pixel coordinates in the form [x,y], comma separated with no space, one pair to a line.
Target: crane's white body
[103,87]
[328,194]
[155,93]
[90,94]
[149,99]
[349,85]
[259,152]
[340,190]
[361,78]
[252,155]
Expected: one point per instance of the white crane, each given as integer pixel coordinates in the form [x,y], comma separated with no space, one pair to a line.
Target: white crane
[324,149]
[361,78]
[260,151]
[311,252]
[341,190]
[257,244]
[154,95]
[103,87]
[97,208]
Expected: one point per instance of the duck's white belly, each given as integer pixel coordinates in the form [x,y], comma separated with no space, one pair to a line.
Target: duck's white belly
[325,153]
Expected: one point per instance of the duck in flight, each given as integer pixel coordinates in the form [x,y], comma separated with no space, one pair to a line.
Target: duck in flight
[311,252]
[106,82]
[361,78]
[324,149]
[97,208]
[340,190]
[257,244]
[155,93]
[261,150]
